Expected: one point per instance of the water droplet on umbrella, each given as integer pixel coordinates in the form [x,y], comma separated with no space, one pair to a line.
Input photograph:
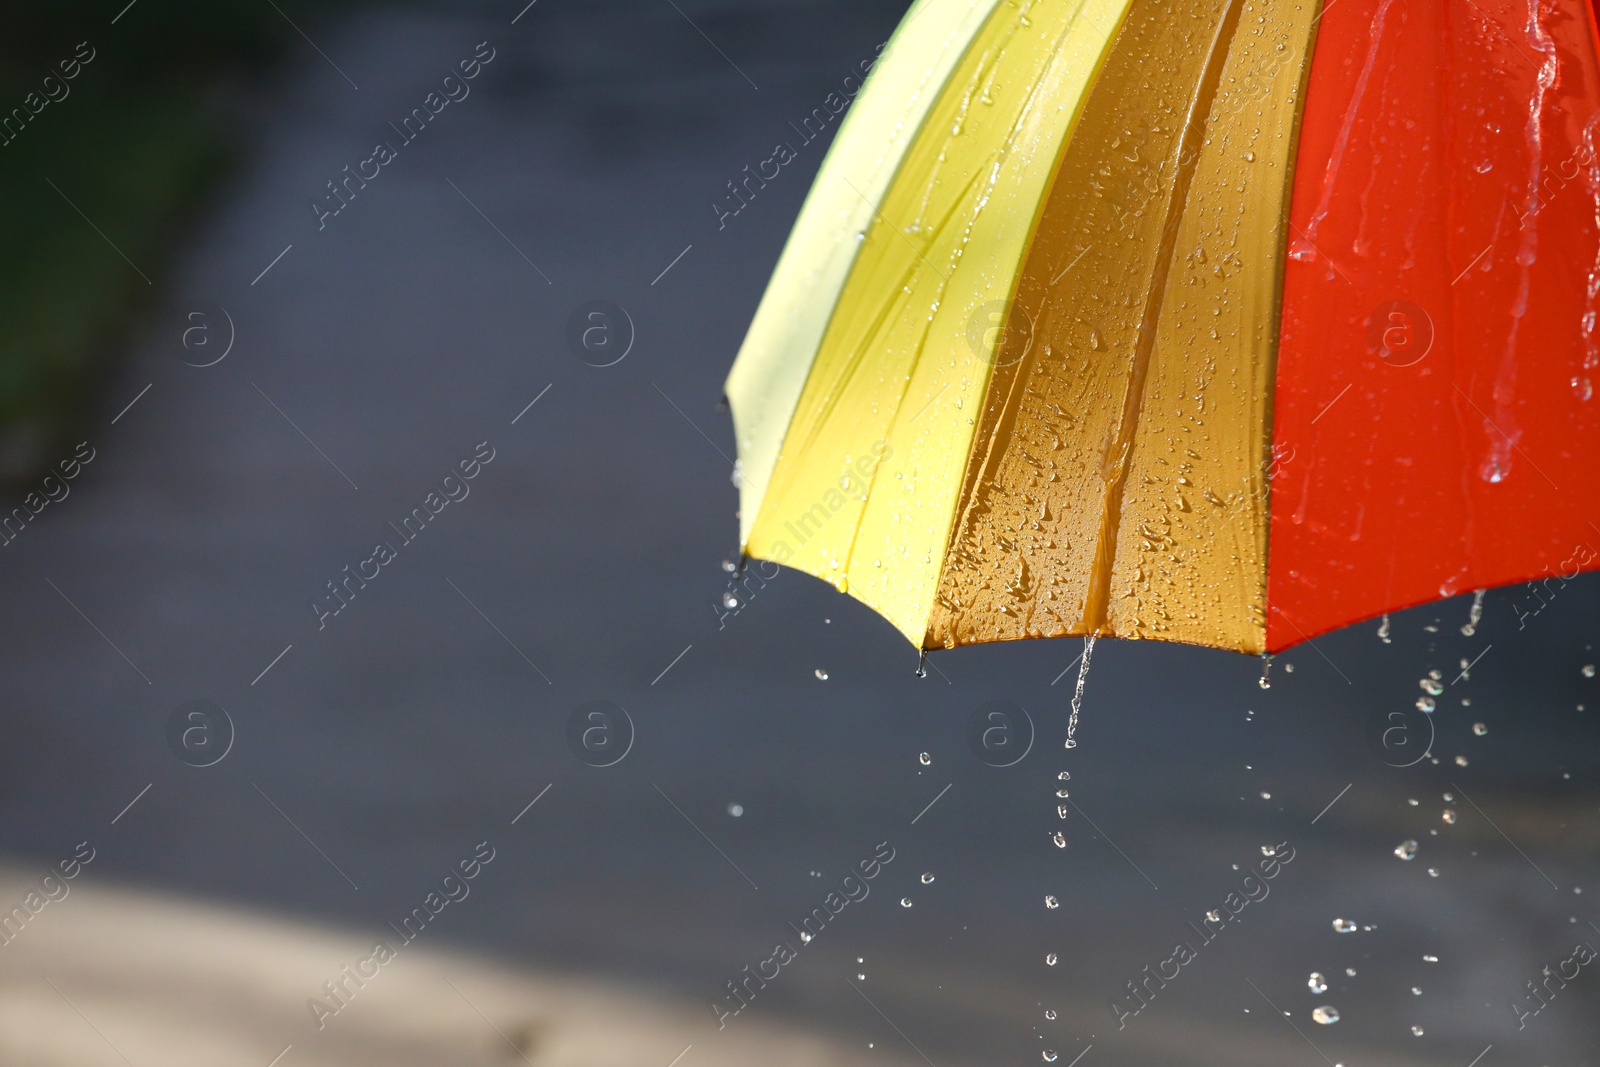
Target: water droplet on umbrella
[821,674]
[927,878]
[1316,983]
[1479,729]
[1050,959]
[736,810]
[1051,902]
[1326,1014]
[1344,926]
[1406,849]
[925,759]
[1059,838]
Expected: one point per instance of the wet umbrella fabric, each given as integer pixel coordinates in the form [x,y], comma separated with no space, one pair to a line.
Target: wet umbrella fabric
[1226,322]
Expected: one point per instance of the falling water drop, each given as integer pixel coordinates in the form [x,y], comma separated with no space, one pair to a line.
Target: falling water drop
[821,674]
[927,878]
[1449,816]
[1426,704]
[925,759]
[1474,614]
[1269,850]
[1316,983]
[1416,1031]
[1051,902]
[1406,849]
[1050,959]
[730,601]
[1326,1014]
[1344,926]
[1059,838]
[1049,1055]
[905,902]
[736,810]
[1383,629]
[1049,1013]
[1077,692]
[1065,776]
[1479,729]
[1265,681]
[1432,684]
[1588,670]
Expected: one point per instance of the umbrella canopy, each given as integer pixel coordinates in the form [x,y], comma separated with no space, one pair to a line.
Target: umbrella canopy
[1226,322]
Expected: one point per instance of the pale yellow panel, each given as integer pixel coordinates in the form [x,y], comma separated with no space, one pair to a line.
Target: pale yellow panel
[777,353]
[867,482]
[1117,485]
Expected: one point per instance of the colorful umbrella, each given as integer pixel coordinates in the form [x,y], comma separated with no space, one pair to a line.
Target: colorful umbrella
[1226,322]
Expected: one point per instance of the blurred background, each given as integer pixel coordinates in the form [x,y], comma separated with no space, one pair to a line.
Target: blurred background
[218,394]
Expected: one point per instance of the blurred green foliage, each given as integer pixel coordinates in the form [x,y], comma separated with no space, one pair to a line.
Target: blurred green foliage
[136,143]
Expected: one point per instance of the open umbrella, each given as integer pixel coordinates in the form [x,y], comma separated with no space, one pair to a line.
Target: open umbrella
[1226,322]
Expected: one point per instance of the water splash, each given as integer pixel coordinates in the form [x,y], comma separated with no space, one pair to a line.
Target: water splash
[1474,614]
[1583,384]
[1307,250]
[1503,432]
[1077,691]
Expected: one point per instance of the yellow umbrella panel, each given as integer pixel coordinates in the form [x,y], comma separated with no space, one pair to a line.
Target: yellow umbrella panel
[975,483]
